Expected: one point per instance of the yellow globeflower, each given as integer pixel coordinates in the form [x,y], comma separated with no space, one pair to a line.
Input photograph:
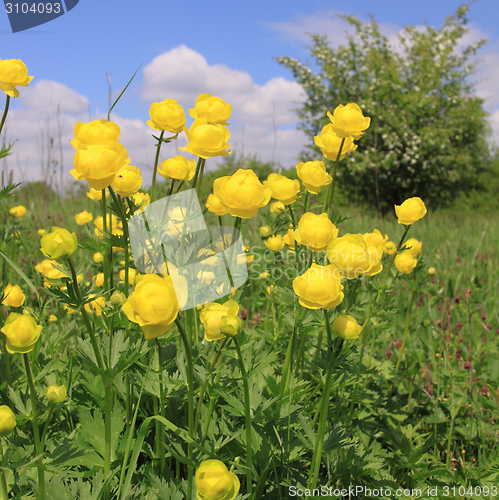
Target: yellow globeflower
[95,134]
[141,199]
[242,193]
[18,212]
[153,305]
[313,175]
[410,211]
[167,115]
[283,189]
[7,420]
[289,238]
[315,231]
[178,167]
[215,482]
[22,332]
[211,316]
[56,393]
[277,207]
[96,194]
[41,232]
[349,121]
[375,239]
[96,306]
[58,244]
[405,262]
[413,246]
[127,181]
[13,73]
[207,140]
[214,205]
[330,143]
[346,327]
[214,109]
[113,224]
[46,268]
[265,231]
[97,257]
[99,280]
[390,248]
[319,287]
[275,243]
[83,218]
[131,275]
[350,254]
[13,296]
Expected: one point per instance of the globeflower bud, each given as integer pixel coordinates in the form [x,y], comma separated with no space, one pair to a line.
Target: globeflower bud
[13,73]
[265,231]
[231,325]
[178,167]
[56,393]
[211,317]
[275,243]
[127,181]
[58,244]
[410,211]
[83,218]
[432,271]
[346,327]
[313,175]
[215,482]
[22,332]
[413,246]
[118,298]
[7,420]
[349,121]
[277,207]
[167,115]
[207,140]
[405,262]
[283,189]
[18,212]
[315,231]
[214,109]
[13,296]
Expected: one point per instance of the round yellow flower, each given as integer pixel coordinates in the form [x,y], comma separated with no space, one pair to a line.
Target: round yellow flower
[319,287]
[99,280]
[410,211]
[375,239]
[349,121]
[131,275]
[350,254]
[13,73]
[141,199]
[405,262]
[83,218]
[7,420]
[41,232]
[153,305]
[95,306]
[315,231]
[242,193]
[346,327]
[283,189]
[211,317]
[96,194]
[13,296]
[214,109]
[56,393]
[275,243]
[99,166]
[58,244]
[18,212]
[52,318]
[432,271]
[313,175]
[215,482]
[167,115]
[390,248]
[413,246]
[277,207]
[178,168]
[22,332]
[97,257]
[207,140]
[95,134]
[330,143]
[46,268]
[127,181]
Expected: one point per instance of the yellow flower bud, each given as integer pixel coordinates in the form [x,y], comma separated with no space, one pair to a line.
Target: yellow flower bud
[46,268]
[127,181]
[214,109]
[313,175]
[231,325]
[96,194]
[405,262]
[41,232]
[432,271]
[211,317]
[13,73]
[277,207]
[97,257]
[289,238]
[207,140]
[319,287]
[178,168]
[275,243]
[56,393]
[215,482]
[52,318]
[242,193]
[83,217]
[315,231]
[265,231]
[390,248]
[346,327]
[58,244]
[410,211]
[167,115]
[22,332]
[118,298]
[413,246]
[13,296]
[131,275]
[7,420]
[283,189]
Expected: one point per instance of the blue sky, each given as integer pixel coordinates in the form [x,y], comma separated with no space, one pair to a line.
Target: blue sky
[225,48]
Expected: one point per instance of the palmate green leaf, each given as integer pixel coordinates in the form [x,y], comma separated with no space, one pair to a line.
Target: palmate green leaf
[235,406]
[65,452]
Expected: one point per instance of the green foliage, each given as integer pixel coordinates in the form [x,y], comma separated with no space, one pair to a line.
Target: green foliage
[428,131]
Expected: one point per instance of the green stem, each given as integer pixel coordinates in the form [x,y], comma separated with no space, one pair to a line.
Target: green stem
[407,323]
[104,230]
[4,489]
[352,295]
[247,421]
[46,426]
[199,166]
[108,395]
[190,402]
[324,407]
[203,389]
[156,160]
[162,411]
[36,432]
[6,110]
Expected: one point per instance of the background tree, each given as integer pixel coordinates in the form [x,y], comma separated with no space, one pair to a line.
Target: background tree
[428,134]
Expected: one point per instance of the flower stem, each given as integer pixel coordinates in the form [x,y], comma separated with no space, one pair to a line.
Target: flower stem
[4,489]
[104,229]
[36,432]
[6,110]
[190,402]
[407,322]
[247,421]
[155,168]
[199,168]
